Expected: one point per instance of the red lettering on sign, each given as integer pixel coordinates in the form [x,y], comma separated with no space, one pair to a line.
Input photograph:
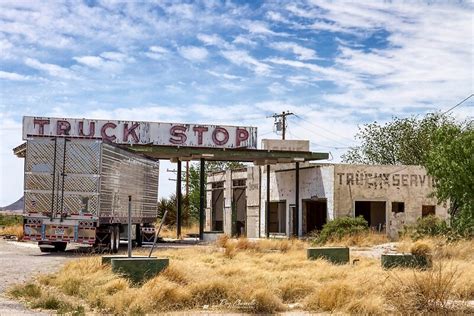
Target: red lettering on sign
[241,136]
[200,130]
[130,131]
[217,141]
[103,132]
[178,132]
[91,129]
[63,128]
[41,124]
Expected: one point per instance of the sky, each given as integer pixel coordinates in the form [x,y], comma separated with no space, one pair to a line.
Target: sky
[336,64]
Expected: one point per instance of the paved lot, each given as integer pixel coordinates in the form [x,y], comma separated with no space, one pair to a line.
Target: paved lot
[19,262]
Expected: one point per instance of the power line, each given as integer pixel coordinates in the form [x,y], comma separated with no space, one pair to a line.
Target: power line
[319,145]
[449,110]
[324,129]
[331,139]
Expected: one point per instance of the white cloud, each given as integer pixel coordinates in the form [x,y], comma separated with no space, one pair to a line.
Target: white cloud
[224,75]
[245,40]
[303,53]
[107,61]
[258,27]
[193,53]
[242,58]
[50,69]
[213,39]
[90,61]
[157,52]
[13,76]
[276,16]
[277,89]
[158,49]
[116,56]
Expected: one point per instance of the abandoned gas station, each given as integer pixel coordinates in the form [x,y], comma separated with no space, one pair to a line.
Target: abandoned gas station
[281,193]
[294,199]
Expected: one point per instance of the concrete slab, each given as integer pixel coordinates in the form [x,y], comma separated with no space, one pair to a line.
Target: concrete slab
[338,255]
[401,260]
[139,269]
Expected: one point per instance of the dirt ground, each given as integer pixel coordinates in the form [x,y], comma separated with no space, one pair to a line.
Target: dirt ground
[19,262]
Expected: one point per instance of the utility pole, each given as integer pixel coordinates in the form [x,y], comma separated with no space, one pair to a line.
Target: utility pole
[280,122]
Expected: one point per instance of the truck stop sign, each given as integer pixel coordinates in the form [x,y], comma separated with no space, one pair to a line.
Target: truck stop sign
[137,132]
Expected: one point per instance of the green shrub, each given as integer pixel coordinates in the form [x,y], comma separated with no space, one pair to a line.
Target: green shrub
[428,226]
[10,220]
[341,227]
[432,226]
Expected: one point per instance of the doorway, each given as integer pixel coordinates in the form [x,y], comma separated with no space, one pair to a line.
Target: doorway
[373,212]
[277,223]
[239,207]
[316,215]
[217,215]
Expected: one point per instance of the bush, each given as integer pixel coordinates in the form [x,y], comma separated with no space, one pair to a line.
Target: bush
[11,220]
[429,226]
[341,227]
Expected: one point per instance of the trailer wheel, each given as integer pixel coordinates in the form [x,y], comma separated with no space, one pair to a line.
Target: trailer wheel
[47,250]
[60,246]
[138,234]
[113,239]
[117,237]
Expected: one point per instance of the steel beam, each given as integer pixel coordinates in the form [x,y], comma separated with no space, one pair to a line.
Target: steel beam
[267,224]
[220,154]
[202,200]
[296,226]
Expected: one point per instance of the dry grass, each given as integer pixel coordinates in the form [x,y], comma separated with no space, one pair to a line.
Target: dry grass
[367,239]
[170,231]
[266,276]
[15,230]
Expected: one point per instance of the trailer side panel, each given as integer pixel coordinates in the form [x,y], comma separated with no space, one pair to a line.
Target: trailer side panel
[125,174]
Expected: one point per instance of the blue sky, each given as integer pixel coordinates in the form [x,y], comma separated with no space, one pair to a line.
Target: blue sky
[335,64]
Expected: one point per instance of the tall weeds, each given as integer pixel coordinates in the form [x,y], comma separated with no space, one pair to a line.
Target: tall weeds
[267,276]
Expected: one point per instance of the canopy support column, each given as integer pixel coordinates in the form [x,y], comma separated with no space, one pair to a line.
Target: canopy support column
[202,195]
[296,231]
[267,222]
[179,204]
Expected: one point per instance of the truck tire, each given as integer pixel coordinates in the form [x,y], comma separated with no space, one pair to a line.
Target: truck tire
[138,235]
[117,237]
[113,239]
[47,249]
[60,246]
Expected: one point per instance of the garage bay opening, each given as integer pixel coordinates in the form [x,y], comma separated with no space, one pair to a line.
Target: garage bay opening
[316,214]
[373,212]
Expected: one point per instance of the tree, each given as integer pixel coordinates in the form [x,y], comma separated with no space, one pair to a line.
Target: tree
[451,163]
[404,141]
[437,142]
[169,204]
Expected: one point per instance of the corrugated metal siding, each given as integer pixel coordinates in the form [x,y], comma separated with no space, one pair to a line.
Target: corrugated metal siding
[81,183]
[125,174]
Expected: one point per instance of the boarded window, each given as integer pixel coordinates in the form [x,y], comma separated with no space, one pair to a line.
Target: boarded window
[398,207]
[428,210]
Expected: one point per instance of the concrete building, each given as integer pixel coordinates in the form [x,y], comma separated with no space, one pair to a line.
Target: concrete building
[388,197]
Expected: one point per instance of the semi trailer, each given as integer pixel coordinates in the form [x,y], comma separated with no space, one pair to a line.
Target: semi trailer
[77,191]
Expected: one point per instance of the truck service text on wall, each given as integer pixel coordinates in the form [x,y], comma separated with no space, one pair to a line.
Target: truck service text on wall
[379,180]
[134,132]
